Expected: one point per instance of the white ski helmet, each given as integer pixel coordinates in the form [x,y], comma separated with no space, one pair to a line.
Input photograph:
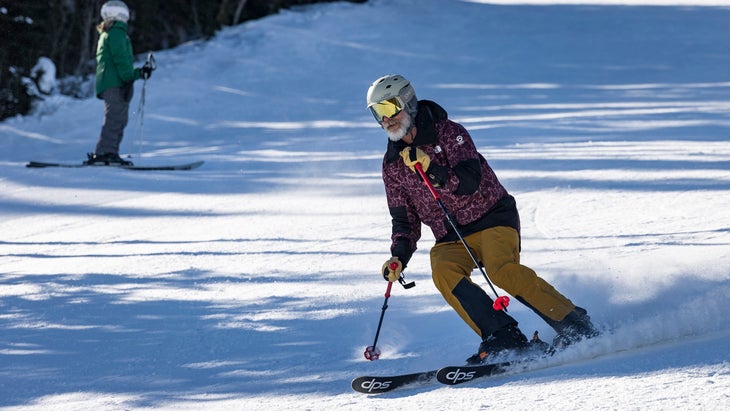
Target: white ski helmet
[115,10]
[390,94]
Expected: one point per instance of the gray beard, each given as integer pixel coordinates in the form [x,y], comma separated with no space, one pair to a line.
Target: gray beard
[403,128]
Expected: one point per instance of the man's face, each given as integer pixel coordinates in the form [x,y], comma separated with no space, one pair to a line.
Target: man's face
[397,126]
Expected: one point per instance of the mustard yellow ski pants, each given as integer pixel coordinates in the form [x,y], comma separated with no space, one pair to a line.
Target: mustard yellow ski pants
[498,249]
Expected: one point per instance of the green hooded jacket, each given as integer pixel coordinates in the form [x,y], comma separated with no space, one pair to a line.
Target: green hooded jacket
[114,57]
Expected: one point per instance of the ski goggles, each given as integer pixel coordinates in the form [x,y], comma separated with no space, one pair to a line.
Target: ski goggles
[387,108]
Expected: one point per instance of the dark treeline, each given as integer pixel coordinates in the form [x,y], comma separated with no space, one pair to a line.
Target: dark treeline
[65,32]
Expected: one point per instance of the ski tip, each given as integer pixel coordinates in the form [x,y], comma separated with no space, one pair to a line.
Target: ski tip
[36,164]
[196,164]
[41,164]
[373,385]
[383,384]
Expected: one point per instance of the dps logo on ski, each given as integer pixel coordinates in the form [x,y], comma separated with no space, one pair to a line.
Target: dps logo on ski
[459,375]
[374,385]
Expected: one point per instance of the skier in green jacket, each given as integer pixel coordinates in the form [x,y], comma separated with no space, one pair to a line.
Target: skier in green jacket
[115,78]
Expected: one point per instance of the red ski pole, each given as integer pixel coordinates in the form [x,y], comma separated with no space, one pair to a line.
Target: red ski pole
[500,303]
[372,352]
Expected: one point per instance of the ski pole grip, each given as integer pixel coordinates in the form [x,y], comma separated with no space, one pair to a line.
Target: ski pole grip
[151,61]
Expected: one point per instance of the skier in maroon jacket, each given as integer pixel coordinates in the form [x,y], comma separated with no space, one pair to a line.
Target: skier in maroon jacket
[485,213]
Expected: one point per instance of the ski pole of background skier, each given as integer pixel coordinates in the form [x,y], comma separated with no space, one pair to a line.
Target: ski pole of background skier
[151,63]
[500,303]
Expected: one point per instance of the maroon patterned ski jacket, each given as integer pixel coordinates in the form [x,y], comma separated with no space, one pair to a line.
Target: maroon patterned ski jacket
[467,185]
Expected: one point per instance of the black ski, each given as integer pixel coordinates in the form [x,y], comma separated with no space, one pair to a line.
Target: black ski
[450,375]
[459,374]
[173,167]
[379,385]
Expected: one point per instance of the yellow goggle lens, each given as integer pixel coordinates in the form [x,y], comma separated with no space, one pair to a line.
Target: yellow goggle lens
[386,108]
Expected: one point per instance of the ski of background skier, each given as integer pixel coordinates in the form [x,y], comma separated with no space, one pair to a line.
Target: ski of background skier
[171,167]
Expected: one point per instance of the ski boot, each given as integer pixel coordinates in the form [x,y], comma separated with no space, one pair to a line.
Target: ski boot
[508,338]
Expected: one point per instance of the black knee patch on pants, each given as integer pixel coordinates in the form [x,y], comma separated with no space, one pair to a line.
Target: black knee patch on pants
[478,306]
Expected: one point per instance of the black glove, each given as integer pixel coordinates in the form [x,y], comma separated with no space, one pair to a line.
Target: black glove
[438,174]
[146,71]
